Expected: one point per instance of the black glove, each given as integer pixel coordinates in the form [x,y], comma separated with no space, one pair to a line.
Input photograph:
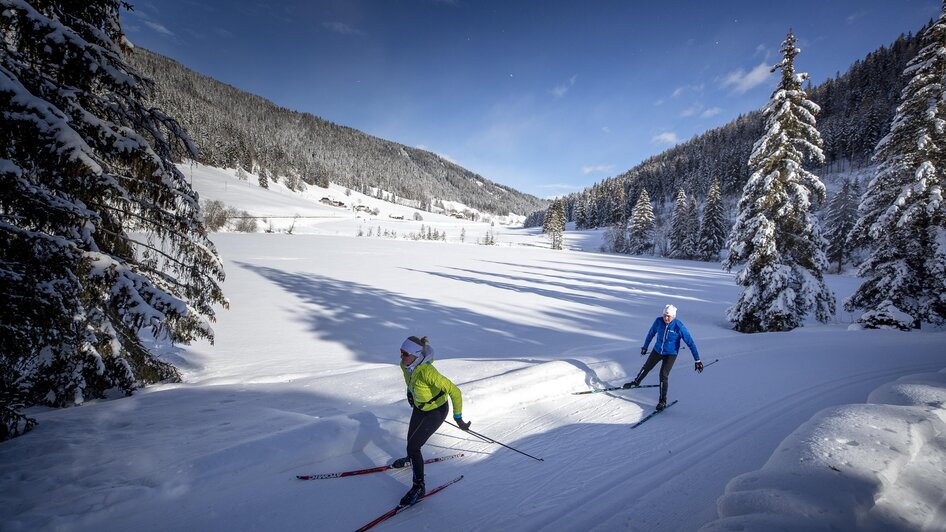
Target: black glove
[643,351]
[410,398]
[699,366]
[464,425]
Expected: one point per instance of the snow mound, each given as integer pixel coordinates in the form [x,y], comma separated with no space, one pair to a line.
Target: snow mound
[530,384]
[876,466]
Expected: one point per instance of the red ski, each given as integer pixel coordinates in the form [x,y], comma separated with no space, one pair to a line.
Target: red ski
[371,470]
[398,509]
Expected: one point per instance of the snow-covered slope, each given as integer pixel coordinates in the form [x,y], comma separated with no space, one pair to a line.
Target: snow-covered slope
[304,379]
[335,210]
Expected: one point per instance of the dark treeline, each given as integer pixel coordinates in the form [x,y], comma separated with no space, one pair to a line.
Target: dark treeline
[235,129]
[856,109]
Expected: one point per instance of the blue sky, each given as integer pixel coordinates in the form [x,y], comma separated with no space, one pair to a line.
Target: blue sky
[545,96]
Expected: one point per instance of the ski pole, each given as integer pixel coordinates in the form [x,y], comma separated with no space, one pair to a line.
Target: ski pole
[710,364]
[490,440]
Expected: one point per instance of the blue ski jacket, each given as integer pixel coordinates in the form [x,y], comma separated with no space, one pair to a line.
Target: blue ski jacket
[669,336]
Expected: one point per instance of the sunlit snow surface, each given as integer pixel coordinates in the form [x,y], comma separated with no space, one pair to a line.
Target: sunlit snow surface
[818,428]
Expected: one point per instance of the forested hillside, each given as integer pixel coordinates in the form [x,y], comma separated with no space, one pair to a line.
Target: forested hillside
[236,129]
[856,109]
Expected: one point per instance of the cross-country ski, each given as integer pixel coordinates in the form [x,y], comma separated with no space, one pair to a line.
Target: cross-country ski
[320,476]
[398,509]
[615,389]
[652,414]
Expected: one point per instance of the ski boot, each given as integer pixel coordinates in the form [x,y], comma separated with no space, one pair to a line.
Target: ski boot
[414,494]
[401,462]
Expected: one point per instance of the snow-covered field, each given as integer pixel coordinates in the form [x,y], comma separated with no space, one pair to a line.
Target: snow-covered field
[818,428]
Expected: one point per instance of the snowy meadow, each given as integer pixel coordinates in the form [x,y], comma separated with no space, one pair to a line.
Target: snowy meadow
[819,428]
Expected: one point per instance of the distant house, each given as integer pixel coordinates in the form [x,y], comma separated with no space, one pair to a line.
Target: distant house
[364,208]
[396,216]
[333,203]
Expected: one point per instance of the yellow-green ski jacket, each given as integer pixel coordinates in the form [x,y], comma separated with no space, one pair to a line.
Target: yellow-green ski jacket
[427,383]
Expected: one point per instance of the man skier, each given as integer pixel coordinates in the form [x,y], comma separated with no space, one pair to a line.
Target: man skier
[669,331]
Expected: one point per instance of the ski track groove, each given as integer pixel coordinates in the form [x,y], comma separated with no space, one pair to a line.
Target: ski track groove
[687,452]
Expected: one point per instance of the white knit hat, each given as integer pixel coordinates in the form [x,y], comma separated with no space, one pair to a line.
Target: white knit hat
[671,311]
[420,348]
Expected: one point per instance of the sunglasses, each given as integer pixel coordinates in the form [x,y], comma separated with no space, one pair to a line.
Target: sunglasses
[404,353]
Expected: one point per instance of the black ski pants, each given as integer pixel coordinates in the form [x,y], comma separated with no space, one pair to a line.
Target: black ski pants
[423,425]
[666,364]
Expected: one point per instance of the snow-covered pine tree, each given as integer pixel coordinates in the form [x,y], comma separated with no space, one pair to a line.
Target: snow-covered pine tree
[642,223]
[591,202]
[840,219]
[547,221]
[775,235]
[692,240]
[618,205]
[678,226]
[264,178]
[555,222]
[713,228]
[101,236]
[617,231]
[581,216]
[901,216]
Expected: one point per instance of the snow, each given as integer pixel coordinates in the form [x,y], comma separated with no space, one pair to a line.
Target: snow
[818,427]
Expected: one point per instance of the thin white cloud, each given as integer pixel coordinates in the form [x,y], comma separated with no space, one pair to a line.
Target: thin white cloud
[154,25]
[742,81]
[223,32]
[160,28]
[341,28]
[668,137]
[691,110]
[686,88]
[597,168]
[711,112]
[606,129]
[560,90]
[854,16]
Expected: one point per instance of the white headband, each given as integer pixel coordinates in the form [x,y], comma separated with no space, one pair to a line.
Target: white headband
[424,353]
[413,348]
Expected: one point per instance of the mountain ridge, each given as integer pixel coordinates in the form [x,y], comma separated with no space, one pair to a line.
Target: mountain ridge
[237,129]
